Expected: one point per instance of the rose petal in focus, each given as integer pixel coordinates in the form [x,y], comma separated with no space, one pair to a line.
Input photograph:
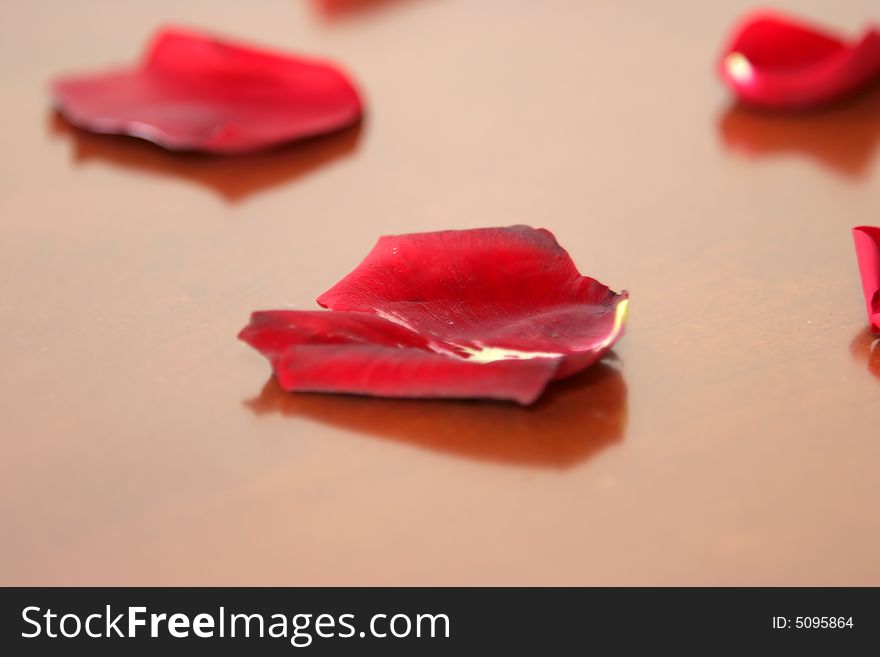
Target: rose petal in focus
[392,372]
[319,351]
[488,293]
[493,312]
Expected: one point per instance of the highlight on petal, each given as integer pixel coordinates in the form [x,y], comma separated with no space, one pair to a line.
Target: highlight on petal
[776,62]
[200,93]
[867,239]
[491,312]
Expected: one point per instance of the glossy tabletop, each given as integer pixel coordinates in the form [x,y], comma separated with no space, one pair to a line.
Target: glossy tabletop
[733,439]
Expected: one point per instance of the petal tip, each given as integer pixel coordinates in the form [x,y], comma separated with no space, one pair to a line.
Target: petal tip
[618,328]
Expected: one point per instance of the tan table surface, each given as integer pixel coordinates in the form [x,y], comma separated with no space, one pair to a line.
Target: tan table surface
[735,441]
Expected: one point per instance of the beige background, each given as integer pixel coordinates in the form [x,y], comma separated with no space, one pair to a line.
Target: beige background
[734,442]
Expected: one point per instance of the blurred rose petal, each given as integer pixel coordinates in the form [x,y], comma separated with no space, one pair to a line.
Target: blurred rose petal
[867,240]
[776,62]
[195,92]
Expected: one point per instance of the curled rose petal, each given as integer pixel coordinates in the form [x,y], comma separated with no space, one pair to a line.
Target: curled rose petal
[779,63]
[492,312]
[272,332]
[867,239]
[393,372]
[195,92]
[319,351]
[486,294]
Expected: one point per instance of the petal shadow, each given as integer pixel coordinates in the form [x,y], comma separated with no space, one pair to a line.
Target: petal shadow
[865,348]
[233,177]
[842,137]
[574,420]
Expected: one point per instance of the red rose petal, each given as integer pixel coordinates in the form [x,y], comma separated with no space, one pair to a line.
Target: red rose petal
[195,92]
[779,63]
[484,291]
[273,332]
[493,312]
[867,239]
[392,372]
